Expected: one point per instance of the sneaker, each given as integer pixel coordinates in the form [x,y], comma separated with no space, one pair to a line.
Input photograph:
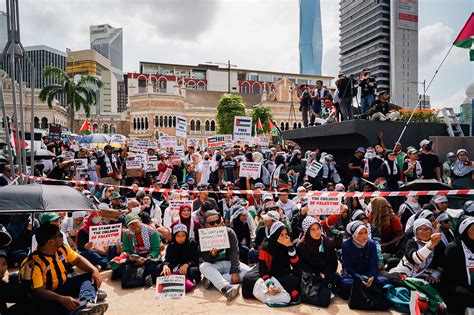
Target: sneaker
[206,283]
[93,308]
[232,292]
[101,295]
[148,281]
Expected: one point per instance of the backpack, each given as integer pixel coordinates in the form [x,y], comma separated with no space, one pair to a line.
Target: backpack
[399,297]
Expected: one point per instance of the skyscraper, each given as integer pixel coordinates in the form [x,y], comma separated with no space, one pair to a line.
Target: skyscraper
[108,41]
[311,38]
[3,30]
[382,36]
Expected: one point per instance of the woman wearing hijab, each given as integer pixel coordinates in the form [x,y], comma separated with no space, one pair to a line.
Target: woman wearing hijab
[458,276]
[182,257]
[387,223]
[447,234]
[192,225]
[409,208]
[96,256]
[71,225]
[239,223]
[373,233]
[390,171]
[461,170]
[153,210]
[277,258]
[280,173]
[317,255]
[359,260]
[299,170]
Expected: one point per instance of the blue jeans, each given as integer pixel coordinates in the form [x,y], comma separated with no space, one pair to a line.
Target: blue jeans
[253,256]
[315,107]
[366,102]
[94,258]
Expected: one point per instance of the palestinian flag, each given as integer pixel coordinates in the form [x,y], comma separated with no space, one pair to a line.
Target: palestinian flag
[259,125]
[243,122]
[274,129]
[465,38]
[86,128]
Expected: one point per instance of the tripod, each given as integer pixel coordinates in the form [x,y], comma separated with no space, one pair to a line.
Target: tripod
[291,113]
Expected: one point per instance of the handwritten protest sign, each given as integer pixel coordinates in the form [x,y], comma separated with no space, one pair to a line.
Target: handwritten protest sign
[105,235]
[322,205]
[192,142]
[313,169]
[250,169]
[81,164]
[118,139]
[213,238]
[168,142]
[243,128]
[139,146]
[180,126]
[151,164]
[170,287]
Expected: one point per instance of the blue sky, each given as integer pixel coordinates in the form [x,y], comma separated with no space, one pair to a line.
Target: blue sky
[254,34]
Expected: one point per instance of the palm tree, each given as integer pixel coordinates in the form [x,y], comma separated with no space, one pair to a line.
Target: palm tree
[79,93]
[264,113]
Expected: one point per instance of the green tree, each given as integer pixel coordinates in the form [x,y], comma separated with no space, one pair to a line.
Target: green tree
[262,112]
[80,93]
[228,107]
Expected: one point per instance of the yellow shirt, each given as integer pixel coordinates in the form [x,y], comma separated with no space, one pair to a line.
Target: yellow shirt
[49,271]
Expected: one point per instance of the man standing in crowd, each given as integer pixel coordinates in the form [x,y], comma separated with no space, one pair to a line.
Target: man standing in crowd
[305,104]
[429,161]
[320,95]
[347,89]
[367,95]
[356,164]
[109,167]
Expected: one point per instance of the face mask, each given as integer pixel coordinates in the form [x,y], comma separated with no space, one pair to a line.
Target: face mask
[96,220]
[136,210]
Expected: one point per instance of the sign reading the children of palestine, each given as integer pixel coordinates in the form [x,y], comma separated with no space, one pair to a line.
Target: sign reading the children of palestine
[168,142]
[313,169]
[170,287]
[323,205]
[105,235]
[243,129]
[217,238]
[180,127]
[250,169]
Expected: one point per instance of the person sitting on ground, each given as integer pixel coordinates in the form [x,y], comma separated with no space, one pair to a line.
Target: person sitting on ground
[359,260]
[203,197]
[201,212]
[71,225]
[55,293]
[383,110]
[10,290]
[185,218]
[240,225]
[409,208]
[52,218]
[387,223]
[447,234]
[317,255]
[222,268]
[21,228]
[458,275]
[182,257]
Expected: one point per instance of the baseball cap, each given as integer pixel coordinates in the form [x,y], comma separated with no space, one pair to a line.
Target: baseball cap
[49,217]
[3,253]
[365,70]
[468,207]
[465,224]
[271,216]
[275,227]
[442,217]
[440,199]
[210,213]
[424,142]
[412,151]
[132,218]
[360,149]
[340,187]
[103,206]
[451,154]
[115,195]
[259,185]
[267,197]
[202,187]
[307,185]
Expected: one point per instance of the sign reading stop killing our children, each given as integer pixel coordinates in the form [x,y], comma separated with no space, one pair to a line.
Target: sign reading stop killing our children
[170,287]
[250,169]
[105,235]
[217,238]
[243,129]
[323,205]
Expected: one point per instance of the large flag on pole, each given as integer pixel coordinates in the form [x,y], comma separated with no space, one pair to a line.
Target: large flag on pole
[86,128]
[274,129]
[465,38]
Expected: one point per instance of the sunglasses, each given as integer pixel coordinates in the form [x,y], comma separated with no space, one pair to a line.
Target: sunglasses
[214,223]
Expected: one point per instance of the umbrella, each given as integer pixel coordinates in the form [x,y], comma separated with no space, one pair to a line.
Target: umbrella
[424,184]
[41,154]
[42,198]
[95,138]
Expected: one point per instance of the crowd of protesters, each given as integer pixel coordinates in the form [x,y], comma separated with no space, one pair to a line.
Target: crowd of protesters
[276,248]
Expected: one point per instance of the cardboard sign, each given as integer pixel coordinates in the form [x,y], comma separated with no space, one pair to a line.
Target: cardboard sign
[263,141]
[54,131]
[170,287]
[250,169]
[179,150]
[105,235]
[69,155]
[139,146]
[323,205]
[133,164]
[218,140]
[110,214]
[243,129]
[151,166]
[165,176]
[81,164]
[173,208]
[180,127]
[213,238]
[168,142]
[313,169]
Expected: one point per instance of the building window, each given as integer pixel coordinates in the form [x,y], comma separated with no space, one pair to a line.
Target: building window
[113,129]
[142,124]
[282,125]
[134,124]
[208,126]
[166,121]
[213,125]
[44,123]
[198,126]
[193,125]
[156,121]
[256,89]
[174,121]
[105,128]
[299,125]
[157,134]
[287,126]
[295,125]
[95,128]
[37,122]
[245,89]
[142,86]
[161,121]
[146,123]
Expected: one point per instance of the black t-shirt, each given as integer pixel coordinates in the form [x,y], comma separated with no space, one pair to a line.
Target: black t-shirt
[305,99]
[228,165]
[103,166]
[429,162]
[374,169]
[380,107]
[355,161]
[365,88]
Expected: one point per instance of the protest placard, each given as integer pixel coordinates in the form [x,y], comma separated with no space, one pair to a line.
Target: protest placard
[173,208]
[250,169]
[168,142]
[165,176]
[313,169]
[213,238]
[192,142]
[69,155]
[180,126]
[139,146]
[263,141]
[134,168]
[179,150]
[323,205]
[81,164]
[110,214]
[118,139]
[170,287]
[218,140]
[243,129]
[175,159]
[105,235]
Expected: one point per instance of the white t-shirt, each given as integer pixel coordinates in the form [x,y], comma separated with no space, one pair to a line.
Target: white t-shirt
[287,207]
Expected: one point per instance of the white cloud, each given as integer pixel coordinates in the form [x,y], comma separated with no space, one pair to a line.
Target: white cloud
[454,101]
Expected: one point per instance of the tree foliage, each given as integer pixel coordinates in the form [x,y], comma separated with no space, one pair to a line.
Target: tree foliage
[262,112]
[228,107]
[80,93]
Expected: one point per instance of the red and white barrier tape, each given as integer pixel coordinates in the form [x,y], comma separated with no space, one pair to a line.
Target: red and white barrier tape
[251,192]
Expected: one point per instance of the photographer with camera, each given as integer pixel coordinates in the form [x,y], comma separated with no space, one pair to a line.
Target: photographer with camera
[347,88]
[305,103]
[367,95]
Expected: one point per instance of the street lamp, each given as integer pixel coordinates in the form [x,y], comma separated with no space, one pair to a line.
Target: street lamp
[228,65]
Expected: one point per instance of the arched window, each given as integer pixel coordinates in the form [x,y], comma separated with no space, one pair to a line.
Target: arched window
[198,125]
[142,124]
[299,125]
[170,121]
[44,123]
[37,122]
[193,125]
[166,121]
[146,123]
[113,128]
[174,121]
[95,128]
[287,126]
[105,128]
[213,125]
[161,121]
[295,125]
[208,126]
[156,121]
[282,125]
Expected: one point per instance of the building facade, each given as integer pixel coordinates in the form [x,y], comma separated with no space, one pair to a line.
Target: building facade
[3,30]
[108,41]
[311,37]
[382,35]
